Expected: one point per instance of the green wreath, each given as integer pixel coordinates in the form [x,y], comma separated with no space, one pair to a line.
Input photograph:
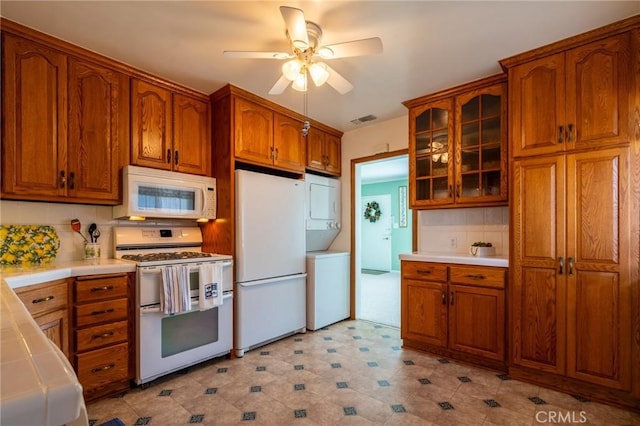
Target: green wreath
[372,212]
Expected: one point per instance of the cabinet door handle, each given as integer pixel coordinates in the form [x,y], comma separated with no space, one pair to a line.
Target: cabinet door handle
[43,299]
[450,190]
[444,297]
[560,134]
[176,158]
[570,136]
[102,336]
[272,153]
[169,156]
[72,180]
[561,261]
[276,153]
[476,276]
[106,311]
[105,288]
[63,179]
[458,188]
[452,293]
[424,271]
[571,266]
[104,368]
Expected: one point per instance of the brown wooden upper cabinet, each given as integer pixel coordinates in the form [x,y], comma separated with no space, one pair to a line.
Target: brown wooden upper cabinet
[458,146]
[170,130]
[323,152]
[265,137]
[66,125]
[572,100]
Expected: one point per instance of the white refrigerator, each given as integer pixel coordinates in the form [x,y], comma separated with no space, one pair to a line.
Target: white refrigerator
[270,259]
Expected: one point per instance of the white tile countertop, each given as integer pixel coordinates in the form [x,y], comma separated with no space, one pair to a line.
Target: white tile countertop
[459,258]
[39,386]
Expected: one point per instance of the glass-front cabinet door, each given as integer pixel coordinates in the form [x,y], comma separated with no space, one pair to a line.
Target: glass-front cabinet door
[431,159]
[481,144]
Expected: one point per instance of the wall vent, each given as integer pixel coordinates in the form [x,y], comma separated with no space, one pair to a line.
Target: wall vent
[364,119]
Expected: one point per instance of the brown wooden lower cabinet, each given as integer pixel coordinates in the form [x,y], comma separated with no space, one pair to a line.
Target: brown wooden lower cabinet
[47,304]
[103,334]
[457,311]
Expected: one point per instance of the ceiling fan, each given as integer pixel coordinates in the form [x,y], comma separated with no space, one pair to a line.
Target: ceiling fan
[304,63]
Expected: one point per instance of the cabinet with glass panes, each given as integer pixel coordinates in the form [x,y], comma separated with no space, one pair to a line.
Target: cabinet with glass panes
[458,146]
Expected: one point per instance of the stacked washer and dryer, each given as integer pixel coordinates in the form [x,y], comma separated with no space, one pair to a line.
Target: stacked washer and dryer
[328,289]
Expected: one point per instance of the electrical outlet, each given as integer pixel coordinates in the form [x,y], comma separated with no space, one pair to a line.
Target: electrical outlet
[453,243]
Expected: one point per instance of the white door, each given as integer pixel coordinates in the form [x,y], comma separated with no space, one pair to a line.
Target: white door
[376,236]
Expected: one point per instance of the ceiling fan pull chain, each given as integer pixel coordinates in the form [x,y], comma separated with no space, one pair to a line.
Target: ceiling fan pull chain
[306,125]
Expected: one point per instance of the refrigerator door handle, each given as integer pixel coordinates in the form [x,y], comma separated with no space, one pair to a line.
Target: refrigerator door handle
[271,280]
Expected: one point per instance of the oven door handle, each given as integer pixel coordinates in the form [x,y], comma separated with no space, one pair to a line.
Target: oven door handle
[155,308]
[192,267]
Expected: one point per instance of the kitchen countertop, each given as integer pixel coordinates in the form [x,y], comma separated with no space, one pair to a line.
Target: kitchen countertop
[39,386]
[459,258]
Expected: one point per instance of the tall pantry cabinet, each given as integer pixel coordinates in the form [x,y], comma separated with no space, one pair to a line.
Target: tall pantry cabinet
[574,114]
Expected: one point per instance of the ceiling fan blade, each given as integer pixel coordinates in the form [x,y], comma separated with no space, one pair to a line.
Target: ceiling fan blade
[338,82]
[296,26]
[280,85]
[367,46]
[240,54]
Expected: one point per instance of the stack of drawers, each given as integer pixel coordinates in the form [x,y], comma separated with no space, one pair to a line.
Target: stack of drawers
[101,333]
[47,304]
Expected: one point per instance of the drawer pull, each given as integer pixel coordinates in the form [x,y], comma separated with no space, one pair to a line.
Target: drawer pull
[424,271]
[476,276]
[104,368]
[102,336]
[43,299]
[105,288]
[444,297]
[106,311]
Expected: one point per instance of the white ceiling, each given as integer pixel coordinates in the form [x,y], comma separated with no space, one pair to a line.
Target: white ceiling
[388,169]
[428,45]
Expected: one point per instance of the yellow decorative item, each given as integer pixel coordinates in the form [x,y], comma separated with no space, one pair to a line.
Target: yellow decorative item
[28,244]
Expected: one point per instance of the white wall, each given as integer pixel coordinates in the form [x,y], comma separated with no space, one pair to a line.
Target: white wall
[59,216]
[454,230]
[390,135]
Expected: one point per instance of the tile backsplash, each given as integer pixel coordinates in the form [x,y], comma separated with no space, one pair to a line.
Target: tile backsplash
[454,230]
[59,216]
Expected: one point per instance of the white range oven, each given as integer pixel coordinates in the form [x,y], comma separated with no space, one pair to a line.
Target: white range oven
[167,342]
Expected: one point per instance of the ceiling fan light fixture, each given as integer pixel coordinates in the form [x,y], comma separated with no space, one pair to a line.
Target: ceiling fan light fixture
[319,73]
[325,52]
[291,69]
[300,83]
[300,45]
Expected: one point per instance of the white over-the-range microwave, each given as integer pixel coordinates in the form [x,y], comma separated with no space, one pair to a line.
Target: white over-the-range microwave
[152,193]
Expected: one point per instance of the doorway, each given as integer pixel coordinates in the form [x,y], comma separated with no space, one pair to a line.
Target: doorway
[379,192]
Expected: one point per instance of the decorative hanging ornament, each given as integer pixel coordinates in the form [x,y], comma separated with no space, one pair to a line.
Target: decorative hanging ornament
[372,212]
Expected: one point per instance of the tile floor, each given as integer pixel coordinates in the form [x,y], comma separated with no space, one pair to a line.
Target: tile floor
[352,372]
[380,298]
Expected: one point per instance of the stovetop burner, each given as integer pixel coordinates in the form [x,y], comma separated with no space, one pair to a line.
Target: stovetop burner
[154,257]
